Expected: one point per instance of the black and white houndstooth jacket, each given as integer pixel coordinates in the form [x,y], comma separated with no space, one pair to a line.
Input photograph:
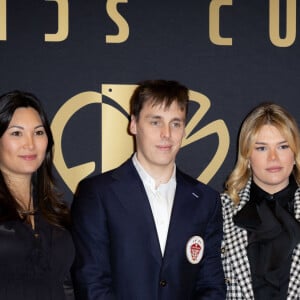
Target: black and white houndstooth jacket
[234,254]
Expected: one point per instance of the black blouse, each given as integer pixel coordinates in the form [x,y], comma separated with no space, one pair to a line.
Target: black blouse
[34,264]
[273,233]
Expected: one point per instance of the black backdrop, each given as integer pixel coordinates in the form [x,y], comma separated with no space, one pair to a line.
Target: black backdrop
[83,57]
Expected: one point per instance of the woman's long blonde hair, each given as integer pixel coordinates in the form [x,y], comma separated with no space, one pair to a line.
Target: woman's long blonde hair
[264,114]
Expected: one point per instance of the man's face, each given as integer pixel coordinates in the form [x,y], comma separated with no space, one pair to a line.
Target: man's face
[159,132]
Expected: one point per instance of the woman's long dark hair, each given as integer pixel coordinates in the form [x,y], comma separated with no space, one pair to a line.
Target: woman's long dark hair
[45,194]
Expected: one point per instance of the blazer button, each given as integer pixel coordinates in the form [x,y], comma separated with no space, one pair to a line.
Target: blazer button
[162,283]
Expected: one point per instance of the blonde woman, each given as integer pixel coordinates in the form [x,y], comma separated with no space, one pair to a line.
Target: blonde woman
[261,209]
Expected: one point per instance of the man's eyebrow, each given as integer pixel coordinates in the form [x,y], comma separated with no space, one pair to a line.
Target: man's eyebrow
[153,117]
[178,119]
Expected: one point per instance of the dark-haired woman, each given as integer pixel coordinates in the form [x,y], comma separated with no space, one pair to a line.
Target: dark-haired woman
[36,249]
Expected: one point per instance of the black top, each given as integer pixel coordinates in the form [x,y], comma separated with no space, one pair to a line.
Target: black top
[34,264]
[273,233]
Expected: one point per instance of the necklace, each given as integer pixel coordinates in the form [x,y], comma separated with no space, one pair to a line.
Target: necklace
[27,212]
[23,212]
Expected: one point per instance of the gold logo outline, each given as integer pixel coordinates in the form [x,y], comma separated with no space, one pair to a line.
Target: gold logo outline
[111,154]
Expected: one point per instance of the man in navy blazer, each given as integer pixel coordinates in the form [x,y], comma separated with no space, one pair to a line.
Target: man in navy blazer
[145,230]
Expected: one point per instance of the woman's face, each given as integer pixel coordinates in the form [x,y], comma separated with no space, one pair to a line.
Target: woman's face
[23,145]
[271,160]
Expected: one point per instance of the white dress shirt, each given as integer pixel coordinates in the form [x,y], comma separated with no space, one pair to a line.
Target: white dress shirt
[161,200]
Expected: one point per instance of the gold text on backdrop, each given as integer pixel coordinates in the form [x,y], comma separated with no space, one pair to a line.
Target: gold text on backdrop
[214,22]
[274,23]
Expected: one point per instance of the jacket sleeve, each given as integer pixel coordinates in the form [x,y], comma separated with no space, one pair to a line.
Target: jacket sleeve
[211,282]
[91,271]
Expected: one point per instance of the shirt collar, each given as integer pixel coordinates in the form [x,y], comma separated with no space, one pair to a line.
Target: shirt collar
[146,178]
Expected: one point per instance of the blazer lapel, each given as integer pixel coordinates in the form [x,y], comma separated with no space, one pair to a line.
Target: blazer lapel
[237,253]
[294,284]
[183,207]
[177,223]
[131,193]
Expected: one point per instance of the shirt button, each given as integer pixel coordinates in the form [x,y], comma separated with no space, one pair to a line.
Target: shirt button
[162,283]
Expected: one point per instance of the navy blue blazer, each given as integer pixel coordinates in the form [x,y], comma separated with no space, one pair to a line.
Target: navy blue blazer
[118,252]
